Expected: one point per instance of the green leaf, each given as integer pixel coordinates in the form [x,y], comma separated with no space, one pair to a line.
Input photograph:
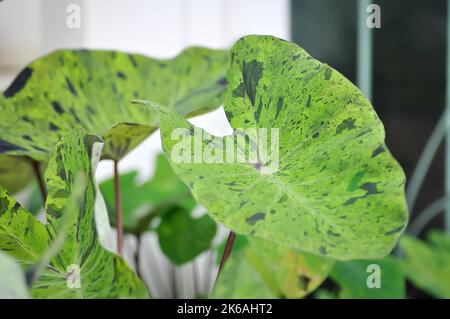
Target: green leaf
[338,191]
[427,264]
[263,269]
[15,173]
[102,273]
[182,237]
[92,90]
[353,277]
[12,279]
[141,203]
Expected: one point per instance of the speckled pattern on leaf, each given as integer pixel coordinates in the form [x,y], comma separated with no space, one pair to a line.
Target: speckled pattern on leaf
[103,274]
[92,90]
[338,192]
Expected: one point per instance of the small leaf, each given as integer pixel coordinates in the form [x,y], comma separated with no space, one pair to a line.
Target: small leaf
[352,277]
[182,237]
[338,191]
[263,269]
[92,90]
[15,173]
[427,264]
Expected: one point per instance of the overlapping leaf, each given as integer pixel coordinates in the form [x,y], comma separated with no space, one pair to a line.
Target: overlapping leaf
[102,274]
[338,191]
[263,269]
[88,89]
[427,265]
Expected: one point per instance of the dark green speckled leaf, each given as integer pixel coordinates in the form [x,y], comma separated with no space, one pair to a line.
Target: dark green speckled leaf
[102,273]
[338,191]
[89,89]
[263,269]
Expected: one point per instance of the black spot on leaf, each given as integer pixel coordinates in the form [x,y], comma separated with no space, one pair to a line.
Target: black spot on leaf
[252,72]
[347,124]
[380,149]
[121,75]
[8,147]
[71,87]
[255,218]
[19,83]
[239,91]
[57,107]
[279,106]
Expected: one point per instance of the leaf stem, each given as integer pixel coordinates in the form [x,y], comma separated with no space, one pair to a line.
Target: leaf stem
[37,172]
[118,203]
[137,256]
[227,251]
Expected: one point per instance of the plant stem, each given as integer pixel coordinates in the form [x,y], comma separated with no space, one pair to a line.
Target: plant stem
[37,172]
[227,251]
[118,203]
[137,256]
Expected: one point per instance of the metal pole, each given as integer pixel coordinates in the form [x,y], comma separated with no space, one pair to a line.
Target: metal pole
[364,53]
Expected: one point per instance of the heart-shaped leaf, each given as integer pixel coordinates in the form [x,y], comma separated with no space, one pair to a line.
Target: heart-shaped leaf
[91,89]
[263,269]
[336,190]
[428,265]
[12,279]
[81,268]
[370,279]
[182,237]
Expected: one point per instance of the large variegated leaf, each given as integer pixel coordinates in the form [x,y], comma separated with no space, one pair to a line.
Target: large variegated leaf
[88,89]
[101,273]
[12,279]
[338,190]
[263,269]
[427,265]
[370,279]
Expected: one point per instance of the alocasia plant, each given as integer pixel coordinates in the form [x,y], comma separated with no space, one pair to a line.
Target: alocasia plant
[338,191]
[330,189]
[102,273]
